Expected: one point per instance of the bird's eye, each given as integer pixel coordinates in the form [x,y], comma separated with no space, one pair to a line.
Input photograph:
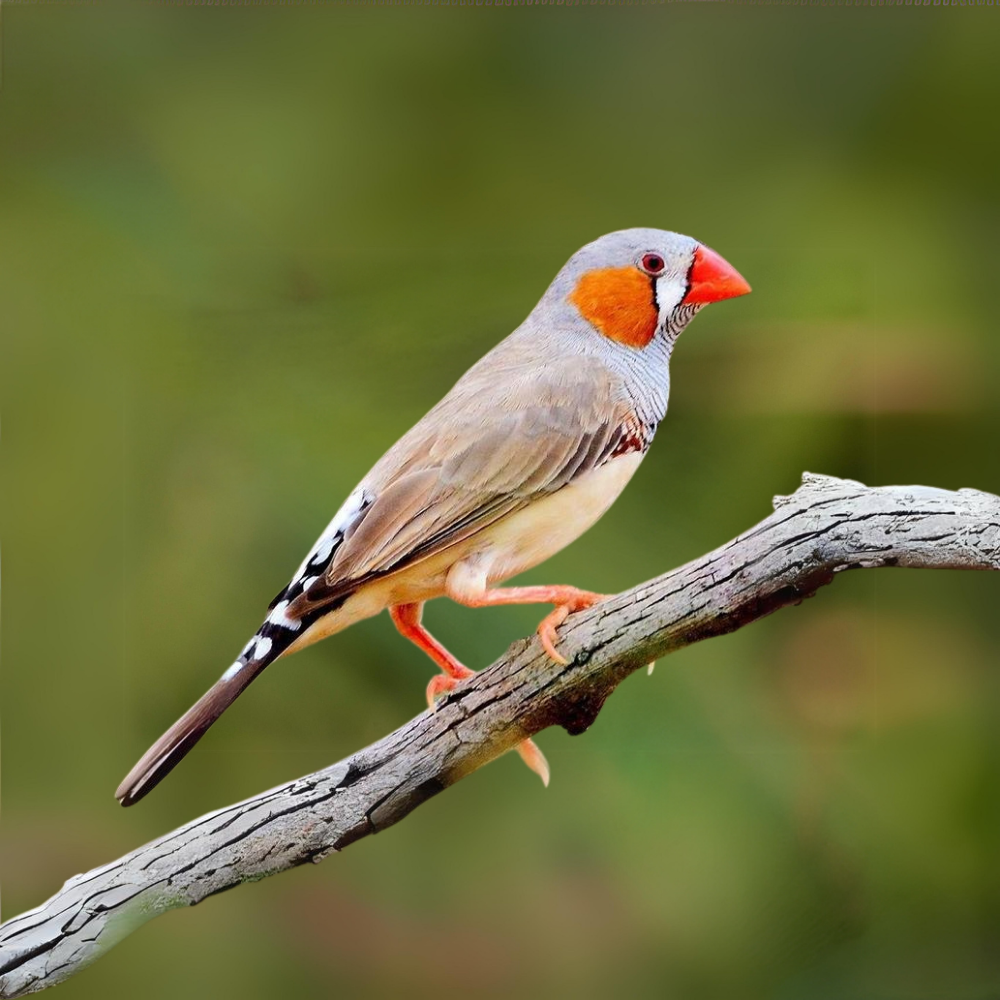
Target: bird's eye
[653,263]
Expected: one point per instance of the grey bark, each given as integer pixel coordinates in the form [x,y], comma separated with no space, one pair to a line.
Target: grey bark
[826,526]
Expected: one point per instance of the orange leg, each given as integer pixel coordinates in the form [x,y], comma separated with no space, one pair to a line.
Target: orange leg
[566,601]
[406,618]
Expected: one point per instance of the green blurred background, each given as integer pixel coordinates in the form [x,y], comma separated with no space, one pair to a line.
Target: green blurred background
[242,250]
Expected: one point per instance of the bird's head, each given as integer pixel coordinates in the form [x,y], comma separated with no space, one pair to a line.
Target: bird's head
[631,284]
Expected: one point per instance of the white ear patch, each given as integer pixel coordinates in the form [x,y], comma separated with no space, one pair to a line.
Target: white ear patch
[670,290]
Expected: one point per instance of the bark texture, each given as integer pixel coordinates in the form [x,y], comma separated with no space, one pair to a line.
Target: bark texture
[826,526]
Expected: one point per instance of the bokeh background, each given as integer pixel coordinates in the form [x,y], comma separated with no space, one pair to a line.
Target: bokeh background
[242,250]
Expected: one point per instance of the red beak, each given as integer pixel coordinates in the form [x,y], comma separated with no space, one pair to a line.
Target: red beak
[713,279]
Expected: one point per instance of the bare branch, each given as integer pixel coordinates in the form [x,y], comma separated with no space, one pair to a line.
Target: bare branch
[826,526]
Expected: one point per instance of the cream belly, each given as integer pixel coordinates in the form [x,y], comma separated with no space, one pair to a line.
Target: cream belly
[532,535]
[500,551]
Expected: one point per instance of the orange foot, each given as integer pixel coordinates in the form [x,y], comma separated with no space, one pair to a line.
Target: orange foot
[442,684]
[566,600]
[406,618]
[532,755]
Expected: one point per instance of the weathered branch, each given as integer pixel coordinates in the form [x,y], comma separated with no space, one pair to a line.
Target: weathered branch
[826,526]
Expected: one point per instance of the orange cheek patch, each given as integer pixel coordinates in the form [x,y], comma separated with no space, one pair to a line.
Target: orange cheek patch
[619,302]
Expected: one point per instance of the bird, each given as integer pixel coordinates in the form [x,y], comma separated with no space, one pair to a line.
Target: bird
[524,454]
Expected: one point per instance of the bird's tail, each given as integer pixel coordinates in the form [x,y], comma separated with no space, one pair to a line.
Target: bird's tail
[166,753]
[283,630]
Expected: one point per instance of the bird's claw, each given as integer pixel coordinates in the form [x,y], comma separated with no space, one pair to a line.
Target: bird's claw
[442,684]
[547,633]
[532,755]
[547,628]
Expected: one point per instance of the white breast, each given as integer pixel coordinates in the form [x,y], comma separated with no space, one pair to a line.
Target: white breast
[532,535]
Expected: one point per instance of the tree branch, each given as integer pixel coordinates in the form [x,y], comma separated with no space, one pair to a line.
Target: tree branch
[826,526]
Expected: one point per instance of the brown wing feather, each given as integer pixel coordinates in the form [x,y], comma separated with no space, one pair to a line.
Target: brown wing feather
[463,467]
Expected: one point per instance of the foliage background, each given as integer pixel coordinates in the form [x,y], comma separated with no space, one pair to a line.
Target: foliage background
[241,250]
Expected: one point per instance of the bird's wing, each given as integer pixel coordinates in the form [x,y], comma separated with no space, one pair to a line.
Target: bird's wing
[468,464]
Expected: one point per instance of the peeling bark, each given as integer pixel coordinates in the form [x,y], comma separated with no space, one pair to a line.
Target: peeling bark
[828,525]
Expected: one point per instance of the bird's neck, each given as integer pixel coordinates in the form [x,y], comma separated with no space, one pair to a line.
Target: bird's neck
[646,372]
